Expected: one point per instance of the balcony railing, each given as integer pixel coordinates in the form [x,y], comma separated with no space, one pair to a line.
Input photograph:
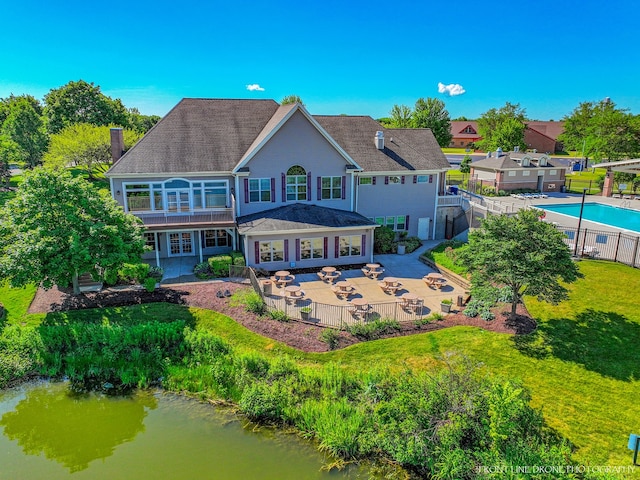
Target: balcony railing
[449,200]
[164,219]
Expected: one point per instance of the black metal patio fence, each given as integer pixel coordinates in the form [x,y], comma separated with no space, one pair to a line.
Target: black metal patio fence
[324,314]
[615,246]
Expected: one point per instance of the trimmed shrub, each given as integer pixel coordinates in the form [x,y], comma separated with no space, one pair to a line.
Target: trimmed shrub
[156,273]
[375,329]
[202,270]
[149,284]
[279,315]
[219,265]
[383,240]
[238,259]
[133,272]
[331,337]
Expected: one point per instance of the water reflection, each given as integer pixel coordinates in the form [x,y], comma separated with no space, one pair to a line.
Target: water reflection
[50,419]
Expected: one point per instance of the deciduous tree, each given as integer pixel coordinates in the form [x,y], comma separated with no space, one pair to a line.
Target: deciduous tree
[82,102]
[602,131]
[521,252]
[10,152]
[400,116]
[431,113]
[84,145]
[291,99]
[502,128]
[58,227]
[24,125]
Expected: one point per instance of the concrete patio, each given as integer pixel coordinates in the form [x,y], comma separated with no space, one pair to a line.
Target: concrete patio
[408,269]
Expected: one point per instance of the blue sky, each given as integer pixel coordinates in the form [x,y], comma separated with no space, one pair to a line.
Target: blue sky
[356,58]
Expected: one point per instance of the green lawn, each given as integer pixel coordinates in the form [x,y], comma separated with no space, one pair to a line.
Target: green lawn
[582,364]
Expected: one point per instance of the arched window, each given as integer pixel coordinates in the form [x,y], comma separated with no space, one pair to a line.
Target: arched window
[296,183]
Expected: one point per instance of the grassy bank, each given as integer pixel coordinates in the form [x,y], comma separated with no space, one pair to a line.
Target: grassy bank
[581,366]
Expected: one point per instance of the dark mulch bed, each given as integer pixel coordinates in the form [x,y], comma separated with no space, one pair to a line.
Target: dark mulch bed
[299,335]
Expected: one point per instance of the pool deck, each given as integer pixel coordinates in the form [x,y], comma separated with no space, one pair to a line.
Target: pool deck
[571,198]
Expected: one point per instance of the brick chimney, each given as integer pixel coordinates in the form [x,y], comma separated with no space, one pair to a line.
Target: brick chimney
[117,144]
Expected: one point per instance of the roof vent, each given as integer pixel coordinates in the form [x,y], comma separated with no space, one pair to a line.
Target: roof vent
[488,154]
[379,139]
[516,148]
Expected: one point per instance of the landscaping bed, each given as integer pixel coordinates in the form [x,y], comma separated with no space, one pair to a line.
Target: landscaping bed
[299,335]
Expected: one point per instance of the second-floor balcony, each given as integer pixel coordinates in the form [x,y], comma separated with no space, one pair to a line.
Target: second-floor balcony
[218,218]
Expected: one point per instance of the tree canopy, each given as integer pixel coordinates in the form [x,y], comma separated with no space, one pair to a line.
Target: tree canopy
[23,124]
[289,99]
[58,227]
[84,145]
[502,128]
[523,253]
[82,102]
[400,117]
[428,113]
[602,131]
[431,113]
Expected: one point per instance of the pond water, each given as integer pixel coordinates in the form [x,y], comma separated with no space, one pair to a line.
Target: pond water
[48,433]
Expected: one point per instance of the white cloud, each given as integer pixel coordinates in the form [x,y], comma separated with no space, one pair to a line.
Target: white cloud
[255,87]
[452,89]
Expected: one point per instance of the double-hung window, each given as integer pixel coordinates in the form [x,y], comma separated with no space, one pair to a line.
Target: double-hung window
[272,251]
[296,183]
[311,248]
[350,246]
[216,238]
[259,190]
[331,188]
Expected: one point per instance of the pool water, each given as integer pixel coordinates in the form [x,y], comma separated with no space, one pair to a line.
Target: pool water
[599,213]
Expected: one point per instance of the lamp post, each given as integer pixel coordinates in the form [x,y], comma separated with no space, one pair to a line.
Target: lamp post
[575,249]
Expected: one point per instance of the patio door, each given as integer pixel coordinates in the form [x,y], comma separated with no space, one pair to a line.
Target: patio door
[178,201]
[180,244]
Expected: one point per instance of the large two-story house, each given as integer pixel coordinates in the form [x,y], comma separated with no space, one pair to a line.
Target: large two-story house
[286,188]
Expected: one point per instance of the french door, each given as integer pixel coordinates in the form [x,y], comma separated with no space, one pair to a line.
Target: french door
[178,201]
[180,244]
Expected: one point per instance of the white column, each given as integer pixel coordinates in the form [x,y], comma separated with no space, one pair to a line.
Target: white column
[157,244]
[435,207]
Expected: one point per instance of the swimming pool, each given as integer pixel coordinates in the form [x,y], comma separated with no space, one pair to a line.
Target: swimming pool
[599,213]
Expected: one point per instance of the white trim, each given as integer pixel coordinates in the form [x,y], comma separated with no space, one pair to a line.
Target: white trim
[354,193]
[305,231]
[172,174]
[297,107]
[163,191]
[400,172]
[237,182]
[435,208]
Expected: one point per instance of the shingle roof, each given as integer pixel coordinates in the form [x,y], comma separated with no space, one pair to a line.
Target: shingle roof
[405,148]
[298,216]
[549,129]
[458,126]
[213,135]
[509,161]
[198,135]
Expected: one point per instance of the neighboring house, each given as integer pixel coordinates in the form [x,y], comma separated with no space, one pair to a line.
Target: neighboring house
[287,188]
[543,136]
[517,171]
[464,133]
[538,136]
